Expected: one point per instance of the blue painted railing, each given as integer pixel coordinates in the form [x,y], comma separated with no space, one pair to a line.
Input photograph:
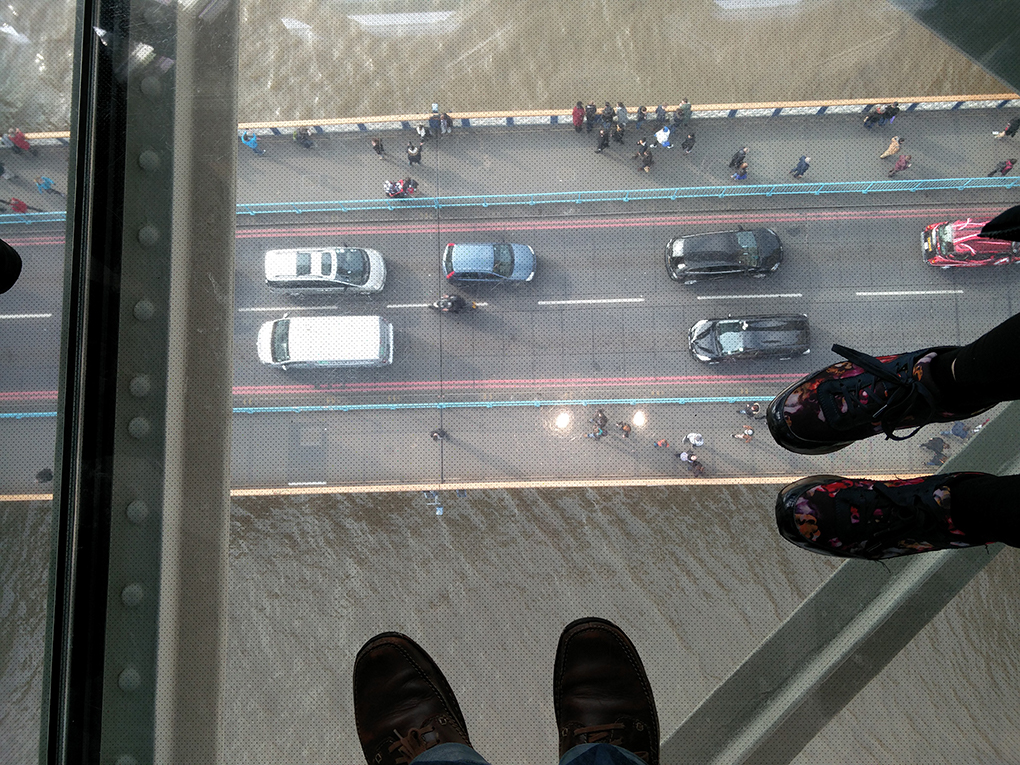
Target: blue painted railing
[587,197]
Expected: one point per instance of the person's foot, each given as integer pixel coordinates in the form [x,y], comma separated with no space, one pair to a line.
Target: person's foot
[857,399]
[402,703]
[601,693]
[872,520]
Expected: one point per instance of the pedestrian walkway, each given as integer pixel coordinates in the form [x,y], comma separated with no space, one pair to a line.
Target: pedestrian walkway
[542,158]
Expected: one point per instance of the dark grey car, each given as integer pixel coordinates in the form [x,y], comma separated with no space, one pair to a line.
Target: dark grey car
[750,337]
[755,252]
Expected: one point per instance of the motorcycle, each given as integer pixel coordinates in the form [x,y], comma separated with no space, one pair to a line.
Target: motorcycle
[401,189]
[452,304]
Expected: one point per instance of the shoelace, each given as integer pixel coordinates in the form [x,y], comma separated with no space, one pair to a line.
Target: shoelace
[905,392]
[897,518]
[414,743]
[606,734]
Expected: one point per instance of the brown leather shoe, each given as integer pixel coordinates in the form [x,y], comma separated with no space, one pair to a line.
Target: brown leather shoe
[402,703]
[601,692]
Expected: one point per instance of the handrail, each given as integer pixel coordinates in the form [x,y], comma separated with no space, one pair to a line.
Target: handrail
[587,197]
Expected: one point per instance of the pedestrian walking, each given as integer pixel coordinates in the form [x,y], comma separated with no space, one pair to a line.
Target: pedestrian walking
[647,161]
[738,159]
[618,132]
[303,136]
[45,185]
[678,118]
[1010,130]
[642,115]
[889,113]
[577,117]
[642,144]
[4,174]
[662,443]
[608,115]
[688,143]
[901,164]
[591,113]
[694,439]
[414,153]
[423,132]
[802,167]
[445,124]
[874,116]
[622,115]
[438,434]
[600,418]
[697,467]
[936,445]
[1003,167]
[745,435]
[687,456]
[18,206]
[377,147]
[19,143]
[685,112]
[894,147]
[249,139]
[741,174]
[624,429]
[662,138]
[597,433]
[660,115]
[603,143]
[752,410]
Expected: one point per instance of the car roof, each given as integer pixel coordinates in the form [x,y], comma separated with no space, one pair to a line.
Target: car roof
[967,239]
[473,256]
[333,337]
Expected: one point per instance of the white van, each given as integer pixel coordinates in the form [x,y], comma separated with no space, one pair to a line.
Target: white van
[325,270]
[314,342]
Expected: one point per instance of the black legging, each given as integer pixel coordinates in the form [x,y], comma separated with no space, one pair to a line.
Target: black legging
[987,371]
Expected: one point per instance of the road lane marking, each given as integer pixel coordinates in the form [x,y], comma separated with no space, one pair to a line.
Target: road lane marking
[745,297]
[408,305]
[910,292]
[591,301]
[306,483]
[26,315]
[293,308]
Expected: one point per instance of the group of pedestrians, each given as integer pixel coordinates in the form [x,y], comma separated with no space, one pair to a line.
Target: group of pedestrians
[612,124]
[17,142]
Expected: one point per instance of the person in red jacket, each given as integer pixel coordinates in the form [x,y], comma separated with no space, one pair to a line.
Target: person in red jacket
[578,117]
[20,142]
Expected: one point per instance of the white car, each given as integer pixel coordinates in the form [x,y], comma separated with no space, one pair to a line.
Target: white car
[325,270]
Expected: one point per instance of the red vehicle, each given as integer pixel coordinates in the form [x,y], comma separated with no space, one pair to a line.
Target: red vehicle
[958,243]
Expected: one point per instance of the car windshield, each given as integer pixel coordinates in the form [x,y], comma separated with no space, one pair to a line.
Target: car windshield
[351,265]
[281,347]
[503,259]
[731,337]
[748,242]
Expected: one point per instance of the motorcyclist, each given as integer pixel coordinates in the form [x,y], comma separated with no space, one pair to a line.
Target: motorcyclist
[451,303]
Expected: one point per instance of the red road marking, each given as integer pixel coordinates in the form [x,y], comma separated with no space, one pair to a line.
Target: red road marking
[421,386]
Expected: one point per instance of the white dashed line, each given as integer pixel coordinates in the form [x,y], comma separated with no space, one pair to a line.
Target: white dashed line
[910,292]
[592,301]
[26,315]
[747,297]
[306,483]
[293,308]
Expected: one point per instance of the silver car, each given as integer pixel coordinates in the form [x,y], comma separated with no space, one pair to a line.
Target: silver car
[325,270]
